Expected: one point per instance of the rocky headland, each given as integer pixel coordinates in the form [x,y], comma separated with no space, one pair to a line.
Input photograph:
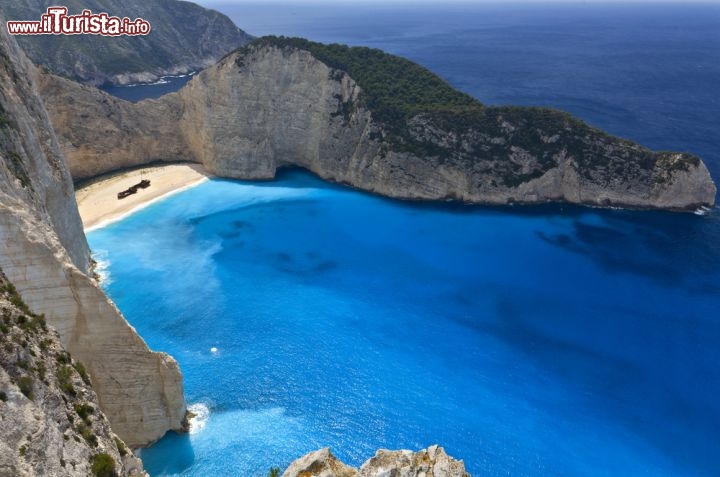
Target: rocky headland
[398,131]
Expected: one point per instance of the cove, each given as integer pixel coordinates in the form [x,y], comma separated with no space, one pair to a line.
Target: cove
[547,340]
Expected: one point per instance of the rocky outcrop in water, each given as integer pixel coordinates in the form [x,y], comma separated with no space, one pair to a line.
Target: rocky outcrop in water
[270,106]
[50,419]
[184,37]
[44,253]
[430,462]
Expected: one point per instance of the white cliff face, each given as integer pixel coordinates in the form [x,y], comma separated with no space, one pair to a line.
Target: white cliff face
[430,462]
[97,129]
[277,109]
[44,253]
[268,107]
[34,168]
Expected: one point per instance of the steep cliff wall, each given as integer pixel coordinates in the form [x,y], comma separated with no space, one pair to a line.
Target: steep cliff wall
[50,418]
[97,129]
[44,254]
[271,105]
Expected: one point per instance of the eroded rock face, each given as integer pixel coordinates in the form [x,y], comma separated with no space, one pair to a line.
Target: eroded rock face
[268,107]
[44,253]
[430,462]
[97,129]
[50,419]
[321,463]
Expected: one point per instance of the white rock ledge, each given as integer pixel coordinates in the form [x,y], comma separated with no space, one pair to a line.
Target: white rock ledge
[430,462]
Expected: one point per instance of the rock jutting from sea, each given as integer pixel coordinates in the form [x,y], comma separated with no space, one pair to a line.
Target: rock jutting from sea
[430,462]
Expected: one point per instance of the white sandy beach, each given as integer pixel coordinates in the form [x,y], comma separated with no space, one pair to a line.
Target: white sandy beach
[98,202]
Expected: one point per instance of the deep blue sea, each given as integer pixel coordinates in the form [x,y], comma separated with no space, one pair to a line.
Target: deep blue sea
[528,341]
[139,91]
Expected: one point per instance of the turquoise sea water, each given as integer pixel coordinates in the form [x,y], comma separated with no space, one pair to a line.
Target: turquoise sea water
[532,341]
[549,340]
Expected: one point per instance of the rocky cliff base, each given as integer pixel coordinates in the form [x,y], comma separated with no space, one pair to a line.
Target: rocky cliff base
[430,462]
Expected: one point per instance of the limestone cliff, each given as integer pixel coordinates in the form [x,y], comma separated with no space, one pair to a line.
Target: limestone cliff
[274,104]
[430,462]
[99,133]
[44,253]
[50,420]
[184,37]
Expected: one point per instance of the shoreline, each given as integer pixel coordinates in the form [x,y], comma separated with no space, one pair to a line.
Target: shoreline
[98,203]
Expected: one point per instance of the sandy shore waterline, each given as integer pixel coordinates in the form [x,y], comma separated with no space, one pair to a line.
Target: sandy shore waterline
[98,203]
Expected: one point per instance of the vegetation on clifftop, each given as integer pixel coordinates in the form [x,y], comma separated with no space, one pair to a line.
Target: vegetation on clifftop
[393,88]
[423,115]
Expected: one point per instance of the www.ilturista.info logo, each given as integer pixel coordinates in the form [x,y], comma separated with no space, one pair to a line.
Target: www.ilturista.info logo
[57,22]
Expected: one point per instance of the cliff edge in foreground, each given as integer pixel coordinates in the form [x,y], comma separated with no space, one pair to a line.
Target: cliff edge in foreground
[51,422]
[44,253]
[430,462]
[380,123]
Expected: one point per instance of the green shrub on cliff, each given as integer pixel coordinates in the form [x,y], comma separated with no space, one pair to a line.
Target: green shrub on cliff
[122,448]
[87,433]
[64,375]
[11,293]
[25,383]
[84,411]
[103,465]
[80,368]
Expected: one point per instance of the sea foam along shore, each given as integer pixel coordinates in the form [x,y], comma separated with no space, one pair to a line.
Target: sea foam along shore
[98,203]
